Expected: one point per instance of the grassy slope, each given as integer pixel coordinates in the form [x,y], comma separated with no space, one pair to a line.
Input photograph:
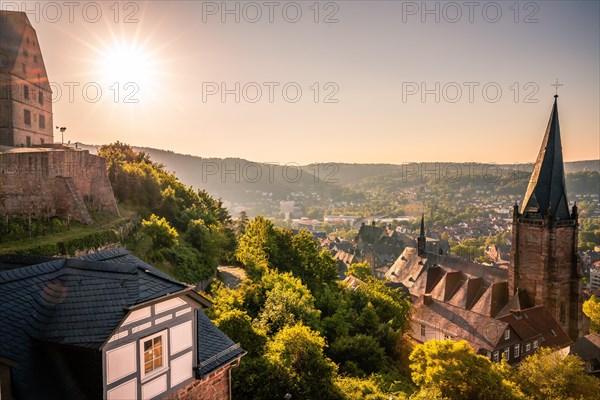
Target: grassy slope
[102,221]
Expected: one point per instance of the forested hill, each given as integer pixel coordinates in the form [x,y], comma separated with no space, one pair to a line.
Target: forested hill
[199,171]
[258,187]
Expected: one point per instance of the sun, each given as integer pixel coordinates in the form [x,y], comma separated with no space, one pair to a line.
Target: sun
[127,63]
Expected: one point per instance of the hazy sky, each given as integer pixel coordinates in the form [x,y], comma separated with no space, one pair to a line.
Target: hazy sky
[380,81]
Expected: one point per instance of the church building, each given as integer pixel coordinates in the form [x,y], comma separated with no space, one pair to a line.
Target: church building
[536,302]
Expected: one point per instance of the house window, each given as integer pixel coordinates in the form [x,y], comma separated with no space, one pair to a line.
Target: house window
[26,92]
[154,354]
[42,141]
[41,97]
[25,53]
[27,117]
[507,334]
[35,59]
[517,350]
[528,347]
[422,329]
[535,344]
[42,121]
[496,356]
[24,68]
[507,353]
[28,140]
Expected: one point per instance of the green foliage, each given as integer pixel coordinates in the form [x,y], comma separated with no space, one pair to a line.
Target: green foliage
[70,247]
[147,186]
[363,389]
[241,223]
[358,355]
[589,234]
[160,231]
[390,306]
[550,375]
[238,326]
[264,246]
[470,248]
[189,264]
[298,351]
[255,245]
[225,300]
[258,378]
[360,270]
[591,308]
[208,241]
[452,370]
[293,296]
[285,307]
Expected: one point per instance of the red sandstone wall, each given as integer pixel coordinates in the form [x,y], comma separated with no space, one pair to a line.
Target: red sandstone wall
[33,182]
[212,387]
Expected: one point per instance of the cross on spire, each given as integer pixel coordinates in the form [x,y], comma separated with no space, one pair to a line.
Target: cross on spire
[556,86]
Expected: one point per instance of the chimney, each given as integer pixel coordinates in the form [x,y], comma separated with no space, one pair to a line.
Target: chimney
[427,299]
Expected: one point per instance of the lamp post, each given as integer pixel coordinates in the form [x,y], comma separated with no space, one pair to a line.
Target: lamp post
[62,134]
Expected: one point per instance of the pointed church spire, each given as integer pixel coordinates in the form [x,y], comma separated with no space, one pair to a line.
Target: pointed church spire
[421,239]
[547,184]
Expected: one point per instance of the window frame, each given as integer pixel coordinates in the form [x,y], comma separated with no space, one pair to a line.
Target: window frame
[496,356]
[144,376]
[27,117]
[517,350]
[536,344]
[422,329]
[507,334]
[528,347]
[507,353]
[42,121]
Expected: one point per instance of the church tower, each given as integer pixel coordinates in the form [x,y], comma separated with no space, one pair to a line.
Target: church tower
[544,263]
[421,240]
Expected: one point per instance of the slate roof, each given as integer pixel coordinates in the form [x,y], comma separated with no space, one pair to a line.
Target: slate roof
[217,349]
[536,321]
[78,301]
[482,332]
[410,267]
[547,184]
[468,295]
[76,304]
[587,348]
[12,26]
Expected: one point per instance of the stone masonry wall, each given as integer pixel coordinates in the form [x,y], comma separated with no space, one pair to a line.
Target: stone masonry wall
[54,183]
[214,386]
